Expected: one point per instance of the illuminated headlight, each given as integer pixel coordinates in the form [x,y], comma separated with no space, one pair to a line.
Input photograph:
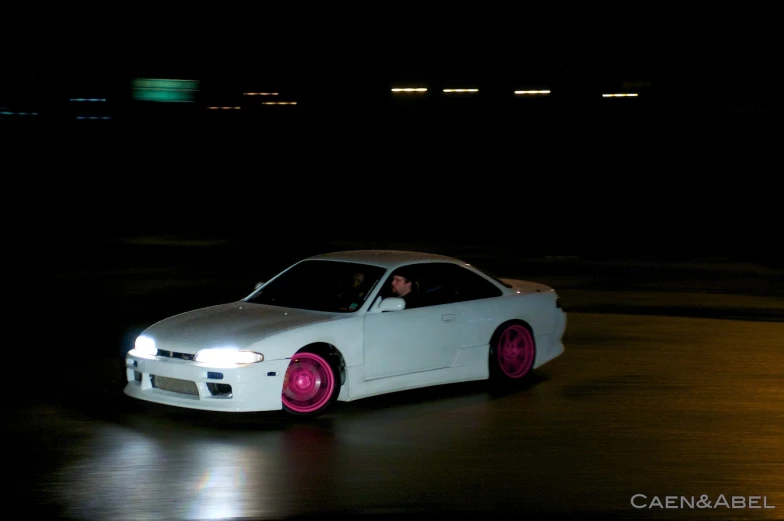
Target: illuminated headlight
[145,346]
[227,356]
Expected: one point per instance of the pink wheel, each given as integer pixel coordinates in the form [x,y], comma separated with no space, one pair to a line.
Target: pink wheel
[514,352]
[309,385]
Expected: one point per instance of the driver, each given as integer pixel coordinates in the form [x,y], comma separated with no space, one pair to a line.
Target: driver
[403,286]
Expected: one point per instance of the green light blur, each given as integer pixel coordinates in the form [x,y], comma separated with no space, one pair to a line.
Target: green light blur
[165,90]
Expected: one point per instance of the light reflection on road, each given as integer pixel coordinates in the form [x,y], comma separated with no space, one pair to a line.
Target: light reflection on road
[131,474]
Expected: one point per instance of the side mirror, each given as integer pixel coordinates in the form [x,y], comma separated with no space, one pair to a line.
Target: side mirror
[392,304]
[258,285]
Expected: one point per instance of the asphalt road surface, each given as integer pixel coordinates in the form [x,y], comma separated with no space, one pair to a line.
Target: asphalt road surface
[640,403]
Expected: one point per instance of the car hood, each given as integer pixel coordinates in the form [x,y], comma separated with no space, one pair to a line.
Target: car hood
[239,324]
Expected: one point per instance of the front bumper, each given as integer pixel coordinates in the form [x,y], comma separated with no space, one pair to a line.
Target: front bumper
[181,383]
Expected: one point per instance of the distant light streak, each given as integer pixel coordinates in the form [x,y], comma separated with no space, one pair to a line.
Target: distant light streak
[531,92]
[409,89]
[279,103]
[260,94]
[461,90]
[93,117]
[622,95]
[224,108]
[165,90]
[88,99]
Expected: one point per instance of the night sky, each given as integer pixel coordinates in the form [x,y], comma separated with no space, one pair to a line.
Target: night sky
[594,181]
[318,49]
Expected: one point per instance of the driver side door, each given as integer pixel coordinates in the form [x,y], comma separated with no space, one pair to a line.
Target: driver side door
[413,340]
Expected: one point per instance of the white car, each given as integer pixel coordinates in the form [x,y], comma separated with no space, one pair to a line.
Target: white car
[331,327]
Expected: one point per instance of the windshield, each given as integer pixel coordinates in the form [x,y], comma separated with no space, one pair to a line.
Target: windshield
[321,285]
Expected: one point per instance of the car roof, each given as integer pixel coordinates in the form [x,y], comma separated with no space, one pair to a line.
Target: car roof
[389,259]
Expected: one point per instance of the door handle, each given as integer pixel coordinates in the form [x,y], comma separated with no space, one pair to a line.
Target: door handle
[448,318]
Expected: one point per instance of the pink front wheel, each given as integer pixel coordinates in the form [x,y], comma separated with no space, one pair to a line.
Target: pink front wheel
[513,352]
[309,385]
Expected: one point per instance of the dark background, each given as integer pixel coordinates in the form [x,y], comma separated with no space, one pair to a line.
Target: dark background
[697,55]
[640,212]
[687,167]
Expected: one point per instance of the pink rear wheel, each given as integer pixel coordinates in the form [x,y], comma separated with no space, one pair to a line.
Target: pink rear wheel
[513,352]
[309,385]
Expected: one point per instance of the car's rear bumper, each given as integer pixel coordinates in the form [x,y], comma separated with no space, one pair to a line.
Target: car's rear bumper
[560,324]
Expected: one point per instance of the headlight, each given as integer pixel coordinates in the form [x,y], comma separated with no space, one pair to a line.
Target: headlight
[227,356]
[144,346]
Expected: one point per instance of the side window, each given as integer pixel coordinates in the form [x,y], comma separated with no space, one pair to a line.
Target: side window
[470,286]
[443,283]
[431,285]
[439,283]
[434,285]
